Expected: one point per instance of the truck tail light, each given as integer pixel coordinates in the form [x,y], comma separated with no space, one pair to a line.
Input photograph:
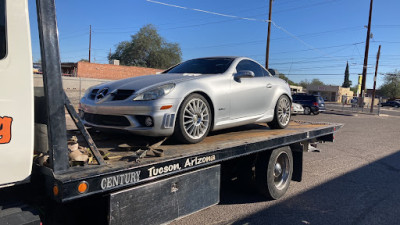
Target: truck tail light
[83,187]
[315,103]
[56,191]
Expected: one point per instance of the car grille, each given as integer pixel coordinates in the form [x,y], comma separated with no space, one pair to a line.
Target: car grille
[121,94]
[93,94]
[106,120]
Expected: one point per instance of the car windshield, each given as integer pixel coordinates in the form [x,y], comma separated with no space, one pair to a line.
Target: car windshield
[203,66]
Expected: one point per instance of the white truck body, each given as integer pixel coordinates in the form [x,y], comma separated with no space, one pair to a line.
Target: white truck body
[16,94]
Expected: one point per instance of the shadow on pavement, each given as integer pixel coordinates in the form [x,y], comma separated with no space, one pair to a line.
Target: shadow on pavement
[368,195]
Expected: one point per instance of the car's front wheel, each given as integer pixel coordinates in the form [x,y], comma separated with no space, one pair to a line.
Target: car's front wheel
[194,120]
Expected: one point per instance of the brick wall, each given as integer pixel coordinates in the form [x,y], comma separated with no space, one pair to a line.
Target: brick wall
[112,72]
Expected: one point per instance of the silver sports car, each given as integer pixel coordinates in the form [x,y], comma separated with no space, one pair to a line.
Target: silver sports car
[190,99]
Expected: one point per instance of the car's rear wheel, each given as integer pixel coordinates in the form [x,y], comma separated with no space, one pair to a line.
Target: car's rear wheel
[194,120]
[316,112]
[281,113]
[307,110]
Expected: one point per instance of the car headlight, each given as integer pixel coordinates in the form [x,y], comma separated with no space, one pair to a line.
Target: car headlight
[154,93]
[87,92]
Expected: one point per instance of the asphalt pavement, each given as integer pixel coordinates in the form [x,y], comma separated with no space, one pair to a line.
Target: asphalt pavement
[355,180]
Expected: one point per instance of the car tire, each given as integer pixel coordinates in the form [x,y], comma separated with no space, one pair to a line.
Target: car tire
[307,110]
[281,113]
[273,172]
[315,112]
[194,120]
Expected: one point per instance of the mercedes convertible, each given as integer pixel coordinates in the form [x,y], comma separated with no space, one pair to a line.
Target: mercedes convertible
[191,99]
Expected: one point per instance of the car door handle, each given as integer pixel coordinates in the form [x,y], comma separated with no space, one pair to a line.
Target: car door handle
[269,85]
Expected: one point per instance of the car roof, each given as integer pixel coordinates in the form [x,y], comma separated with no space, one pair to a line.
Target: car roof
[219,57]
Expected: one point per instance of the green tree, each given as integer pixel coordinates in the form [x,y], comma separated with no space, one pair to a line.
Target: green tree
[84,60]
[391,85]
[304,83]
[147,49]
[354,89]
[283,77]
[347,82]
[314,82]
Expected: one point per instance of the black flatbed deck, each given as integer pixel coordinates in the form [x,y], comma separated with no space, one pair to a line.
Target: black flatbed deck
[122,170]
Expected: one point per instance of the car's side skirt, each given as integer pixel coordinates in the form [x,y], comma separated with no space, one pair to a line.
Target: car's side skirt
[267,117]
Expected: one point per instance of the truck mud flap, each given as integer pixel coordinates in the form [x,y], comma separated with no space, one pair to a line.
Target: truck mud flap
[165,200]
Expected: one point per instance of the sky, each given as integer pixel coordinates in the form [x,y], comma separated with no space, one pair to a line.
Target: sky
[309,39]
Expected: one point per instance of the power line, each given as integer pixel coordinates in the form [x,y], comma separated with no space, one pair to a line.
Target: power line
[306,6]
[205,11]
[237,17]
[262,41]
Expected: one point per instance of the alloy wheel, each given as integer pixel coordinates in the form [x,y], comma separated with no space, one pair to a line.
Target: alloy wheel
[196,118]
[283,111]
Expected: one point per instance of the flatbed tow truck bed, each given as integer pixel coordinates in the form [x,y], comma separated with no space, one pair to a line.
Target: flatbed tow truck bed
[123,170]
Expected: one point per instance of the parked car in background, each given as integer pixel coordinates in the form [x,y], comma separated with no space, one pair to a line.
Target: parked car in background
[190,99]
[297,109]
[311,103]
[391,103]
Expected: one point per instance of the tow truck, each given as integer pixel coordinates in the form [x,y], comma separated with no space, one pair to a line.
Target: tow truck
[154,184]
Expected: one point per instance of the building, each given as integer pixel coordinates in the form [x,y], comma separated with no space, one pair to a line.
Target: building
[296,89]
[104,71]
[332,93]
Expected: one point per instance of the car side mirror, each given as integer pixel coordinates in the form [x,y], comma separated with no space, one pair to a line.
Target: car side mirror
[244,74]
[273,72]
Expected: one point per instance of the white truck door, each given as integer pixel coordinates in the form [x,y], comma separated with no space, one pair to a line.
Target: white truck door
[16,93]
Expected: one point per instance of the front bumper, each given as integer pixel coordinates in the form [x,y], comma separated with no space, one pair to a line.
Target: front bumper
[138,117]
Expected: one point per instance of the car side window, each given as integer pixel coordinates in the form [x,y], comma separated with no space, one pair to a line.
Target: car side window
[250,65]
[266,73]
[3,43]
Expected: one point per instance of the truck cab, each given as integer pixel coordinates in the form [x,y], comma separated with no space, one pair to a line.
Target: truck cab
[16,93]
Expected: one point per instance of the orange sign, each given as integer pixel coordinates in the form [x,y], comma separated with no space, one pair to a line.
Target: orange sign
[5,129]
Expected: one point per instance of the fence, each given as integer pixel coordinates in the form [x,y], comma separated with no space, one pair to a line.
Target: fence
[74,87]
[350,103]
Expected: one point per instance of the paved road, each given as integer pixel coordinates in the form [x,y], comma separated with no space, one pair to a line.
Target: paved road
[355,180]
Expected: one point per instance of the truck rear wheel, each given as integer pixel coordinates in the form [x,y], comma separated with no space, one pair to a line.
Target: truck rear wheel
[274,172]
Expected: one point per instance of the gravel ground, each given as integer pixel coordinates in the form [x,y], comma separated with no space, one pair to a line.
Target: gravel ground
[355,180]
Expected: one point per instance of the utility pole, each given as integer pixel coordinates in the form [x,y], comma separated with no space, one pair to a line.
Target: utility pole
[376,72]
[364,74]
[269,34]
[90,41]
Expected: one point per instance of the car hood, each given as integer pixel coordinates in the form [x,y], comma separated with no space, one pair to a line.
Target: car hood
[148,81]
